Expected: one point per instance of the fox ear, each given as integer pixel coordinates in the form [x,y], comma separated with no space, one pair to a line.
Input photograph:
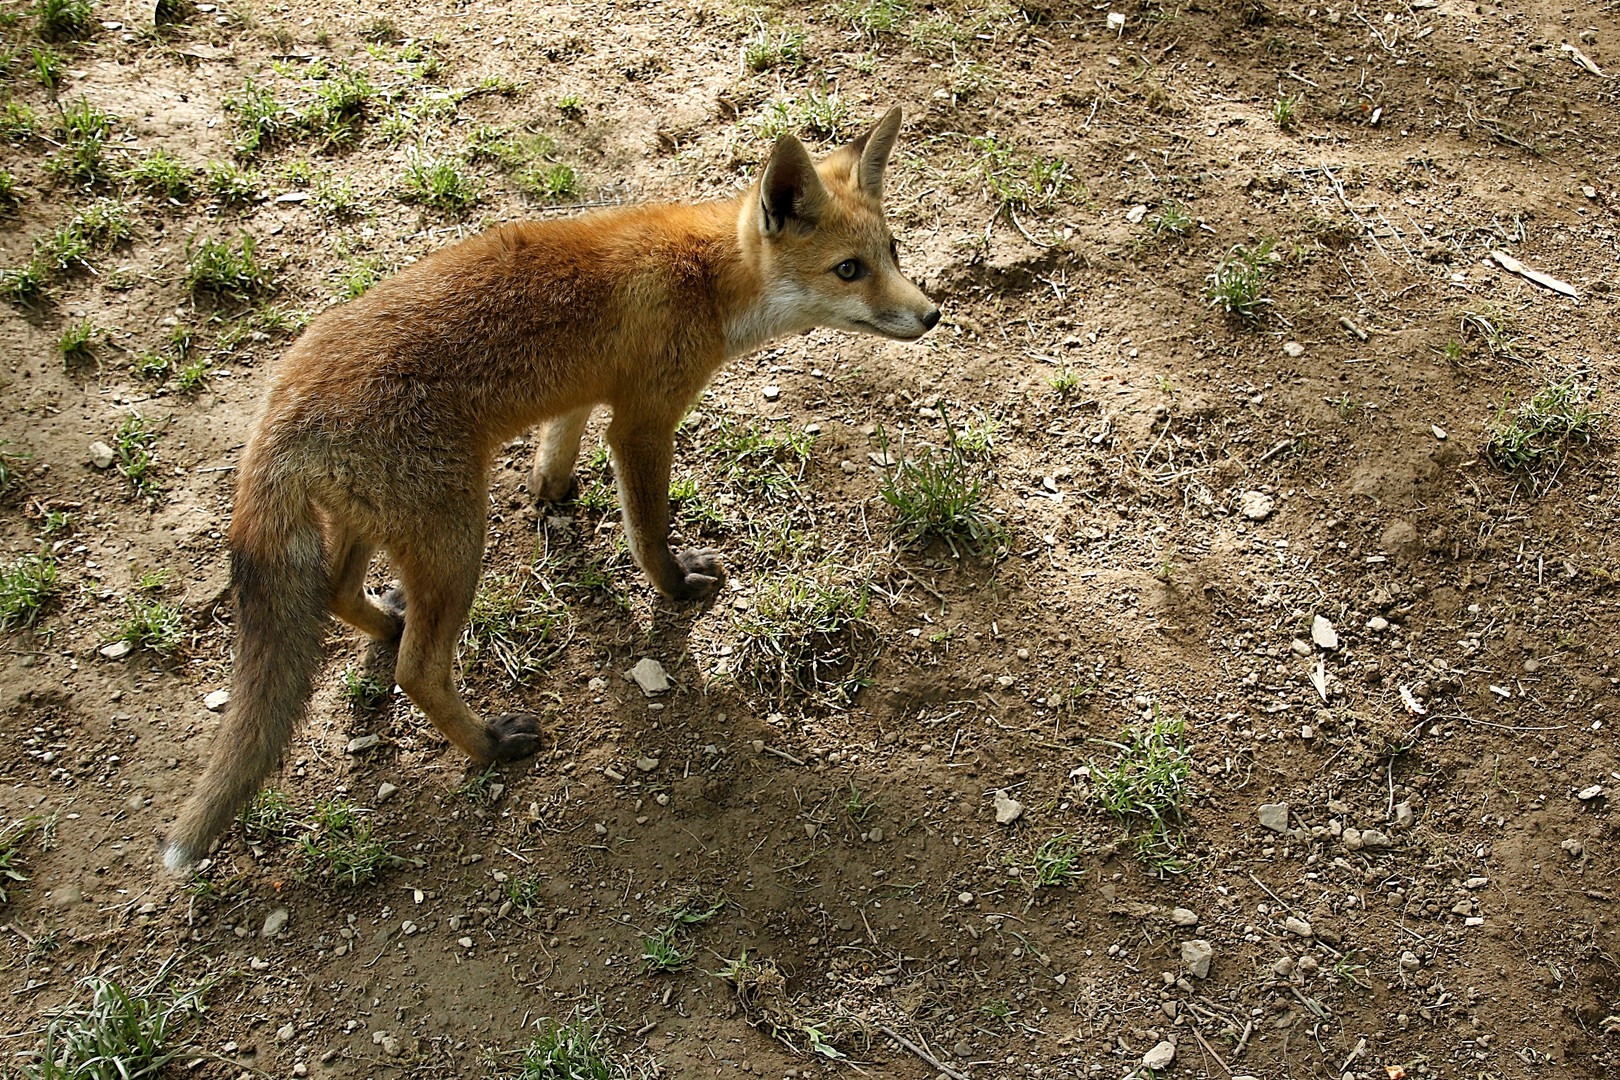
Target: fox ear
[790,190]
[873,150]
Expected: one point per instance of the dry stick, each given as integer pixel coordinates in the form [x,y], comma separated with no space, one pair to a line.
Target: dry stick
[1211,1050]
[920,1052]
[1339,191]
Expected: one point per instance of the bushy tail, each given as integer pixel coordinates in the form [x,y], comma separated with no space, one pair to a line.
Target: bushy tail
[278,568]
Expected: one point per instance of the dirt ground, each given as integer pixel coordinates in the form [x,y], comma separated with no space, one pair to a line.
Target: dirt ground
[1298,538]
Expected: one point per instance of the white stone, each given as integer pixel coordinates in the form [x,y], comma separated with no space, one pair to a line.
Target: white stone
[117,650]
[275,923]
[1273,816]
[1590,793]
[1293,348]
[1372,838]
[1008,809]
[1184,917]
[361,743]
[1196,956]
[650,675]
[385,791]
[217,700]
[646,764]
[101,455]
[1295,925]
[1256,505]
[1323,634]
[772,393]
[1160,1056]
[1136,213]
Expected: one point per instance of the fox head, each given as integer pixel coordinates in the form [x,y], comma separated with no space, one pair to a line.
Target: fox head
[828,258]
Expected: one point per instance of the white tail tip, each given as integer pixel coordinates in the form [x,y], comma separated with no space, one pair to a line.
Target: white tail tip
[177,860]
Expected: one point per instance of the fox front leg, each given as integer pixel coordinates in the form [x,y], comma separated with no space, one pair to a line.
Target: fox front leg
[641,461]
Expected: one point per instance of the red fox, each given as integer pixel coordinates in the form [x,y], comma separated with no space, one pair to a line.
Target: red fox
[382,419]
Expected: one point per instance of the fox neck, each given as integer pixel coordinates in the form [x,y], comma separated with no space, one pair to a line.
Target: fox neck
[764,306]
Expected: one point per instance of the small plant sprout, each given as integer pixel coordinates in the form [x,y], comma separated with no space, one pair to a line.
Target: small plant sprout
[773,47]
[1065,384]
[574,1049]
[1173,219]
[77,342]
[859,805]
[1285,111]
[1237,285]
[1055,862]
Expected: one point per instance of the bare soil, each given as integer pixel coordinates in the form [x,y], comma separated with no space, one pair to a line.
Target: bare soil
[1465,716]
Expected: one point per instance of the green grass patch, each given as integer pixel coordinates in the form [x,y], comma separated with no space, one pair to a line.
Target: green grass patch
[1535,438]
[227,268]
[575,1049]
[118,1034]
[77,342]
[341,846]
[822,115]
[231,184]
[940,494]
[14,837]
[806,640]
[153,624]
[268,815]
[1146,787]
[439,182]
[26,585]
[65,20]
[773,47]
[1019,179]
[82,160]
[512,627]
[133,454]
[161,173]
[1237,284]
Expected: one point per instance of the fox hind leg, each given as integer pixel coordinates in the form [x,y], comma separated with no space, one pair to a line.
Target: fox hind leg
[552,478]
[441,582]
[384,622]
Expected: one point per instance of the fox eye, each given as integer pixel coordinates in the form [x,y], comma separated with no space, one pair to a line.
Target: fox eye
[850,270]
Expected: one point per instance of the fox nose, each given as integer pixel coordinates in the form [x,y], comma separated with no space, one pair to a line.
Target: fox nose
[931,319]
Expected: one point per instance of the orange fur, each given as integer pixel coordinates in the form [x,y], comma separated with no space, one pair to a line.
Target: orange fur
[380,422]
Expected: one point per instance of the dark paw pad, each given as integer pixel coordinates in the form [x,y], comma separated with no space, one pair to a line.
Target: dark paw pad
[513,736]
[702,573]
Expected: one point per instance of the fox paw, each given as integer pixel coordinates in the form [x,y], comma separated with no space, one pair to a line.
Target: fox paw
[513,736]
[702,572]
[547,489]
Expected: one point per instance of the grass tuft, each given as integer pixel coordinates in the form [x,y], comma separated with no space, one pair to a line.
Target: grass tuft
[439,182]
[774,47]
[1237,285]
[26,585]
[1146,787]
[511,627]
[571,1050]
[161,173]
[133,455]
[340,845]
[1021,180]
[939,494]
[65,20]
[153,624]
[806,640]
[227,268]
[1535,438]
[120,1034]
